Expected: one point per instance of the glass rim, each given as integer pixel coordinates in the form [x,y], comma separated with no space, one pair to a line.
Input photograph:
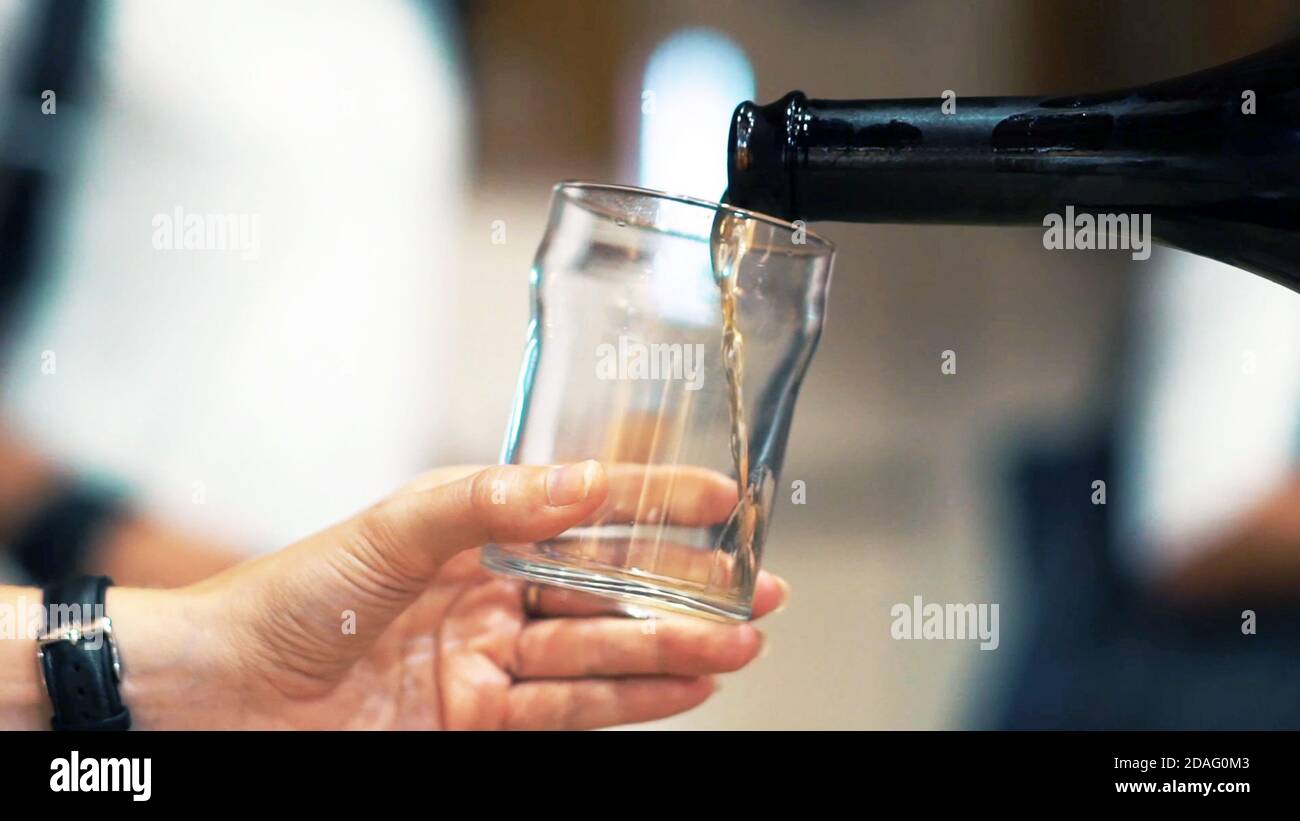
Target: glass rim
[565,186]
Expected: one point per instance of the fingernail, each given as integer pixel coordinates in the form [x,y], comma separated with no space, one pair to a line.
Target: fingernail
[785,594]
[570,484]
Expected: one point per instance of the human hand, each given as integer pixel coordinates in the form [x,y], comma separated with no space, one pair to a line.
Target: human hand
[435,641]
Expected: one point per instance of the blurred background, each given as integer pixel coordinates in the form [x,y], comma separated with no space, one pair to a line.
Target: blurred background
[398,158]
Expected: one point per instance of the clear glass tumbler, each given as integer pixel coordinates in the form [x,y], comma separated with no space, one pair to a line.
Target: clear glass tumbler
[679,373]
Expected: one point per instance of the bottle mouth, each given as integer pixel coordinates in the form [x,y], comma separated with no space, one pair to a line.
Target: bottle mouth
[573,191]
[761,148]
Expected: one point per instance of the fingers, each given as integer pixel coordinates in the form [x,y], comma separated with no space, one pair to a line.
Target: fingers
[612,646]
[598,671]
[673,494]
[771,593]
[440,476]
[557,601]
[375,564]
[586,704]
[413,534]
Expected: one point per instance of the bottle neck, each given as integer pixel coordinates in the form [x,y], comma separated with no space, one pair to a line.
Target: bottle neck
[1212,157]
[990,160]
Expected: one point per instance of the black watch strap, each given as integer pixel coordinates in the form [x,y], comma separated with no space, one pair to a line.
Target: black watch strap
[79,657]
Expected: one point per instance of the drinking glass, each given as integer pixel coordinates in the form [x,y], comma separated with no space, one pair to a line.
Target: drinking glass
[626,362]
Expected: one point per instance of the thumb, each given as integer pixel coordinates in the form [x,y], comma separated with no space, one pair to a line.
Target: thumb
[374,565]
[412,534]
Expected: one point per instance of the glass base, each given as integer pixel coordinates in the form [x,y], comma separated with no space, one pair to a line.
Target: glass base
[640,590]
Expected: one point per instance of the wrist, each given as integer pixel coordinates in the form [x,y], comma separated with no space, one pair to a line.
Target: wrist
[23,702]
[178,671]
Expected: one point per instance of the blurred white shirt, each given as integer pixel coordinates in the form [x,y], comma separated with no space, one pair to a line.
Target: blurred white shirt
[258,398]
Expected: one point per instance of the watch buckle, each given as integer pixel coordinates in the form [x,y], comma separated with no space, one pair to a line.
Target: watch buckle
[78,633]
